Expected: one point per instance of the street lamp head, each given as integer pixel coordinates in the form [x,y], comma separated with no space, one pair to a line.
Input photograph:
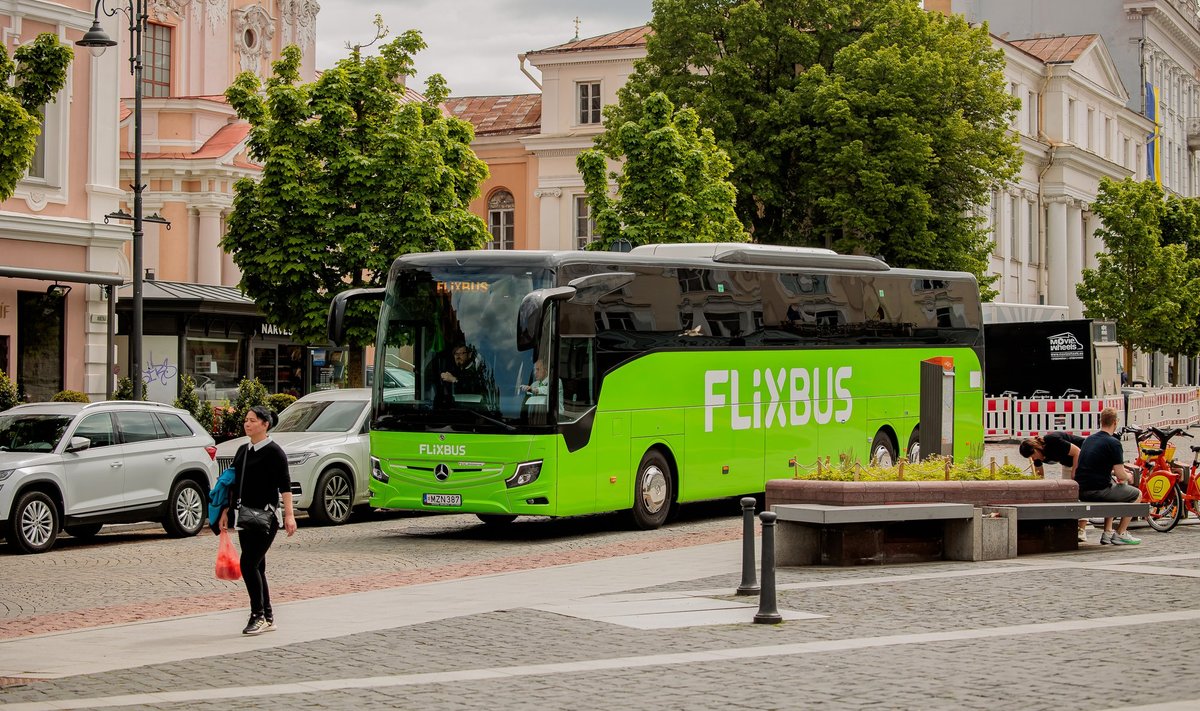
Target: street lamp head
[96,39]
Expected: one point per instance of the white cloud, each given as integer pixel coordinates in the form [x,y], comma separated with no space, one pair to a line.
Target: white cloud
[473,43]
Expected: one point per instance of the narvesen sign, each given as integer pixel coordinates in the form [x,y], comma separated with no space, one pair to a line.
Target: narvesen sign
[777,398]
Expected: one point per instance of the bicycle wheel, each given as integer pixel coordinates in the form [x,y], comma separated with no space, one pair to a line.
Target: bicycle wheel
[1165,514]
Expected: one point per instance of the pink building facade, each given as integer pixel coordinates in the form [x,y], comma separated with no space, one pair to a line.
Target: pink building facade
[193,152]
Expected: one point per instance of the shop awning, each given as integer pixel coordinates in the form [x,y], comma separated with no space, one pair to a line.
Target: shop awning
[183,296]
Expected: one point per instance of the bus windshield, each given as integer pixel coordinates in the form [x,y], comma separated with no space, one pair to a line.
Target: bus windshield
[448,335]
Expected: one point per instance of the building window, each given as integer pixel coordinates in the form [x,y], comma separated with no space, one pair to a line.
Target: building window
[37,167]
[1070,120]
[501,209]
[1015,90]
[1014,229]
[156,48]
[589,102]
[1033,232]
[585,226]
[1031,114]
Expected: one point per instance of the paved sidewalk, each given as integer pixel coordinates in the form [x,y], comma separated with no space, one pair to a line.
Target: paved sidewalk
[1098,628]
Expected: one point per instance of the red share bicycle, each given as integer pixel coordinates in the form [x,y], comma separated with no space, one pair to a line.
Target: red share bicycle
[1157,478]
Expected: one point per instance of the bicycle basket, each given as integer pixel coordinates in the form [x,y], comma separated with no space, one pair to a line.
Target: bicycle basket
[1152,443]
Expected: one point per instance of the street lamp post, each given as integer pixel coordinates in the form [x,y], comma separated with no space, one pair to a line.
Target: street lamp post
[97,40]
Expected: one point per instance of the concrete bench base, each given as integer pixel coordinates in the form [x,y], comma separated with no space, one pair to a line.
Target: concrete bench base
[816,534]
[1051,527]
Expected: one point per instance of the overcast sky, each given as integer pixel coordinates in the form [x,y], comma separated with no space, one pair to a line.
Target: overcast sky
[473,43]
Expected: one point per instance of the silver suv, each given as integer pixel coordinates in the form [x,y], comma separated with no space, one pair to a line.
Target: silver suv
[76,467]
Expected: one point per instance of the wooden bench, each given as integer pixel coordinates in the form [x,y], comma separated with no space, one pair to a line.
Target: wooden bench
[820,534]
[1051,526]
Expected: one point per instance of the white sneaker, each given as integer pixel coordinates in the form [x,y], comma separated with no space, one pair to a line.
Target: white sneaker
[1106,538]
[1082,536]
[1124,539]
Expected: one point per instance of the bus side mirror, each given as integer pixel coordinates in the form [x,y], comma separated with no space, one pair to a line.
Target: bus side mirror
[529,316]
[337,310]
[591,288]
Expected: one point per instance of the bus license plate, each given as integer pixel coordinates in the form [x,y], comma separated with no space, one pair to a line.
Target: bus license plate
[443,499]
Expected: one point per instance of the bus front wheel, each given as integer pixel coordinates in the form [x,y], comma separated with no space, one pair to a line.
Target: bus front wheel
[883,450]
[652,492]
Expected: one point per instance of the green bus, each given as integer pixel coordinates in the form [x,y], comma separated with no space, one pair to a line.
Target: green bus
[561,383]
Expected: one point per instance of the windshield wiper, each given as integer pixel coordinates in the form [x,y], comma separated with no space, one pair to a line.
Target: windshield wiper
[490,419]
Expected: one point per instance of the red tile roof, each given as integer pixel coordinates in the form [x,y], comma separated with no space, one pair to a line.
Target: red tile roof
[1054,50]
[632,37]
[498,115]
[222,142]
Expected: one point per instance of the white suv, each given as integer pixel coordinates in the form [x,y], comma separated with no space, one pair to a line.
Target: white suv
[77,467]
[325,437]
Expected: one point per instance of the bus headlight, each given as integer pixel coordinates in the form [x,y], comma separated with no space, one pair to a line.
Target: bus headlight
[527,473]
[377,471]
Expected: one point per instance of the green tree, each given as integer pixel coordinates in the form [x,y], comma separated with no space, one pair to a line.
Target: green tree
[124,389]
[1145,284]
[353,176]
[868,126]
[26,85]
[672,186]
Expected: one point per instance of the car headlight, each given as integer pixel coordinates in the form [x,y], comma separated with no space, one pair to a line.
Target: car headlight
[6,473]
[295,459]
[377,471]
[526,473]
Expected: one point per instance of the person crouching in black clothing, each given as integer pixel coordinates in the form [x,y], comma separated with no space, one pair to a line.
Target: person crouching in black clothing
[261,477]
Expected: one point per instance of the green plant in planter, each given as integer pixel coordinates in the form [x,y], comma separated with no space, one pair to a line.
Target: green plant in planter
[9,397]
[279,401]
[931,469]
[70,396]
[125,390]
[251,392]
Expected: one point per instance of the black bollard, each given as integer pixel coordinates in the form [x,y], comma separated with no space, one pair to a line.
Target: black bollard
[749,584]
[768,613]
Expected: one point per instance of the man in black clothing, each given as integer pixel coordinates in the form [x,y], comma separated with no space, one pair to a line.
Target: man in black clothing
[464,375]
[1060,448]
[1101,475]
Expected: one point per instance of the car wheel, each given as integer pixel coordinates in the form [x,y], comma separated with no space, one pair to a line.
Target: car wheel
[33,526]
[883,450]
[83,530]
[185,509]
[652,492]
[332,498]
[497,519]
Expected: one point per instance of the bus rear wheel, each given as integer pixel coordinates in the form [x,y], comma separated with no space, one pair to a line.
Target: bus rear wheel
[652,492]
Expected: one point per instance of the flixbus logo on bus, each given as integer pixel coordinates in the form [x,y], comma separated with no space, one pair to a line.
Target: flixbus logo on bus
[445,450]
[792,396]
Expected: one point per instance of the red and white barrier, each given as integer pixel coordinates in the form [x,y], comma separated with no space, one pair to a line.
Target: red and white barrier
[1018,418]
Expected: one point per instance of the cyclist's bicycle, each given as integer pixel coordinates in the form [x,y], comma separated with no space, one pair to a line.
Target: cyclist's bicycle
[1156,478]
[1189,488]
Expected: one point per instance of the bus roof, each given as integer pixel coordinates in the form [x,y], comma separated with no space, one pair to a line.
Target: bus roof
[697,255]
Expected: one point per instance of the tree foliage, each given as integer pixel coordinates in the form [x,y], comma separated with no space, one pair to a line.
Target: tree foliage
[28,81]
[868,126]
[673,184]
[1148,280]
[353,176]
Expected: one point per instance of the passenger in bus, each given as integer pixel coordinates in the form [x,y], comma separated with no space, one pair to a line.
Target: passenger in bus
[463,374]
[539,389]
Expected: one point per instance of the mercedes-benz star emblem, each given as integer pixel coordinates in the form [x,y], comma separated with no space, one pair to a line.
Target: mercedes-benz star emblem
[442,472]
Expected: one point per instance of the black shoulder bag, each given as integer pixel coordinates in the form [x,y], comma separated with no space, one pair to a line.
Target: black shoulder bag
[246,517]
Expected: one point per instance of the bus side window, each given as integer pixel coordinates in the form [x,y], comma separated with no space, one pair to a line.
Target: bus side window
[578,377]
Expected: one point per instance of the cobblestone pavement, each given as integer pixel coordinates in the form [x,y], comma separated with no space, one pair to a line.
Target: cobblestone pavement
[1103,627]
[1099,628]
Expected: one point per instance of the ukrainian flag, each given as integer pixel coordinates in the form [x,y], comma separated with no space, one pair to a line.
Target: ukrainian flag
[1154,140]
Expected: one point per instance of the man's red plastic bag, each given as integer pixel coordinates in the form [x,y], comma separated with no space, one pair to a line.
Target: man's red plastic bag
[228,567]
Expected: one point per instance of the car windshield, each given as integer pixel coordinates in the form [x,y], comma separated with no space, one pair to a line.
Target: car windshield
[320,416]
[32,433]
